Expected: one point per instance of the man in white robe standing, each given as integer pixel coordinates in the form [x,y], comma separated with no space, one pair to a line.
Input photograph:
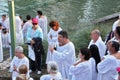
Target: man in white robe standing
[42,22]
[97,40]
[66,56]
[107,67]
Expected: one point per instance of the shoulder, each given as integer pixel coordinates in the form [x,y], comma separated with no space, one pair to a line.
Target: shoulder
[45,77]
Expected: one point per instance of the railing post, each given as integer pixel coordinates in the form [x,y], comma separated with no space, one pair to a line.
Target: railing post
[12,25]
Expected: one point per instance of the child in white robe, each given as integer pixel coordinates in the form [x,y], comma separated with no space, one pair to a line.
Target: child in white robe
[81,70]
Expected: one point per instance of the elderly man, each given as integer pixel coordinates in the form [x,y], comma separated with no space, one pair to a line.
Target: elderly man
[18,60]
[66,56]
[97,40]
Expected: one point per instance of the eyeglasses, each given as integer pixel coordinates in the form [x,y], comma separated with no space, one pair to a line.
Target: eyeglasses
[34,23]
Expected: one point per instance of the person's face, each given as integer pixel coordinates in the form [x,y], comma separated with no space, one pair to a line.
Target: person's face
[116,35]
[80,55]
[0,27]
[60,39]
[109,45]
[92,35]
[34,25]
[3,18]
[16,53]
[55,28]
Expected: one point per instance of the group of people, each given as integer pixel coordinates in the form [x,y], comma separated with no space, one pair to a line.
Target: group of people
[98,61]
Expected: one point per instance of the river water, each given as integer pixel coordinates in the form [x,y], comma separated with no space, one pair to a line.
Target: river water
[68,12]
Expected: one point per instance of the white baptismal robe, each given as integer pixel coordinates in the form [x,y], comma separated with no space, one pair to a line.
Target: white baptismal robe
[6,40]
[93,67]
[82,71]
[107,68]
[18,62]
[57,76]
[19,34]
[42,22]
[101,46]
[115,24]
[1,49]
[52,42]
[26,26]
[65,58]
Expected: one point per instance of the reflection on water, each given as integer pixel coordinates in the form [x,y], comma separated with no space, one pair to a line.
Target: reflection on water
[3,7]
[70,13]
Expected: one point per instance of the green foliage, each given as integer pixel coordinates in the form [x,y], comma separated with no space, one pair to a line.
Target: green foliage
[81,37]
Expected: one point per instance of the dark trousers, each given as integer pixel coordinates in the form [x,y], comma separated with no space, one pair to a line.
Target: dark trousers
[36,65]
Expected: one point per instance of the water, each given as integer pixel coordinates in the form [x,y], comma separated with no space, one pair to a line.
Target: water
[72,14]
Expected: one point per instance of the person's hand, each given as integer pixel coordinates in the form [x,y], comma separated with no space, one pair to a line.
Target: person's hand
[51,49]
[14,68]
[32,42]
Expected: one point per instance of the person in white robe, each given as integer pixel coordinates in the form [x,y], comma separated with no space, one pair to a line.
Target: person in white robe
[97,40]
[26,26]
[52,38]
[66,56]
[19,34]
[42,22]
[5,38]
[3,20]
[52,69]
[18,60]
[1,48]
[81,70]
[115,24]
[107,67]
[94,60]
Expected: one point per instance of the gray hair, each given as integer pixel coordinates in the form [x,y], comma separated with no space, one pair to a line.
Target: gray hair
[96,31]
[19,49]
[52,66]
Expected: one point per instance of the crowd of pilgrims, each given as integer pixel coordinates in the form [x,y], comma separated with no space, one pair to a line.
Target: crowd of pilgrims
[98,61]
